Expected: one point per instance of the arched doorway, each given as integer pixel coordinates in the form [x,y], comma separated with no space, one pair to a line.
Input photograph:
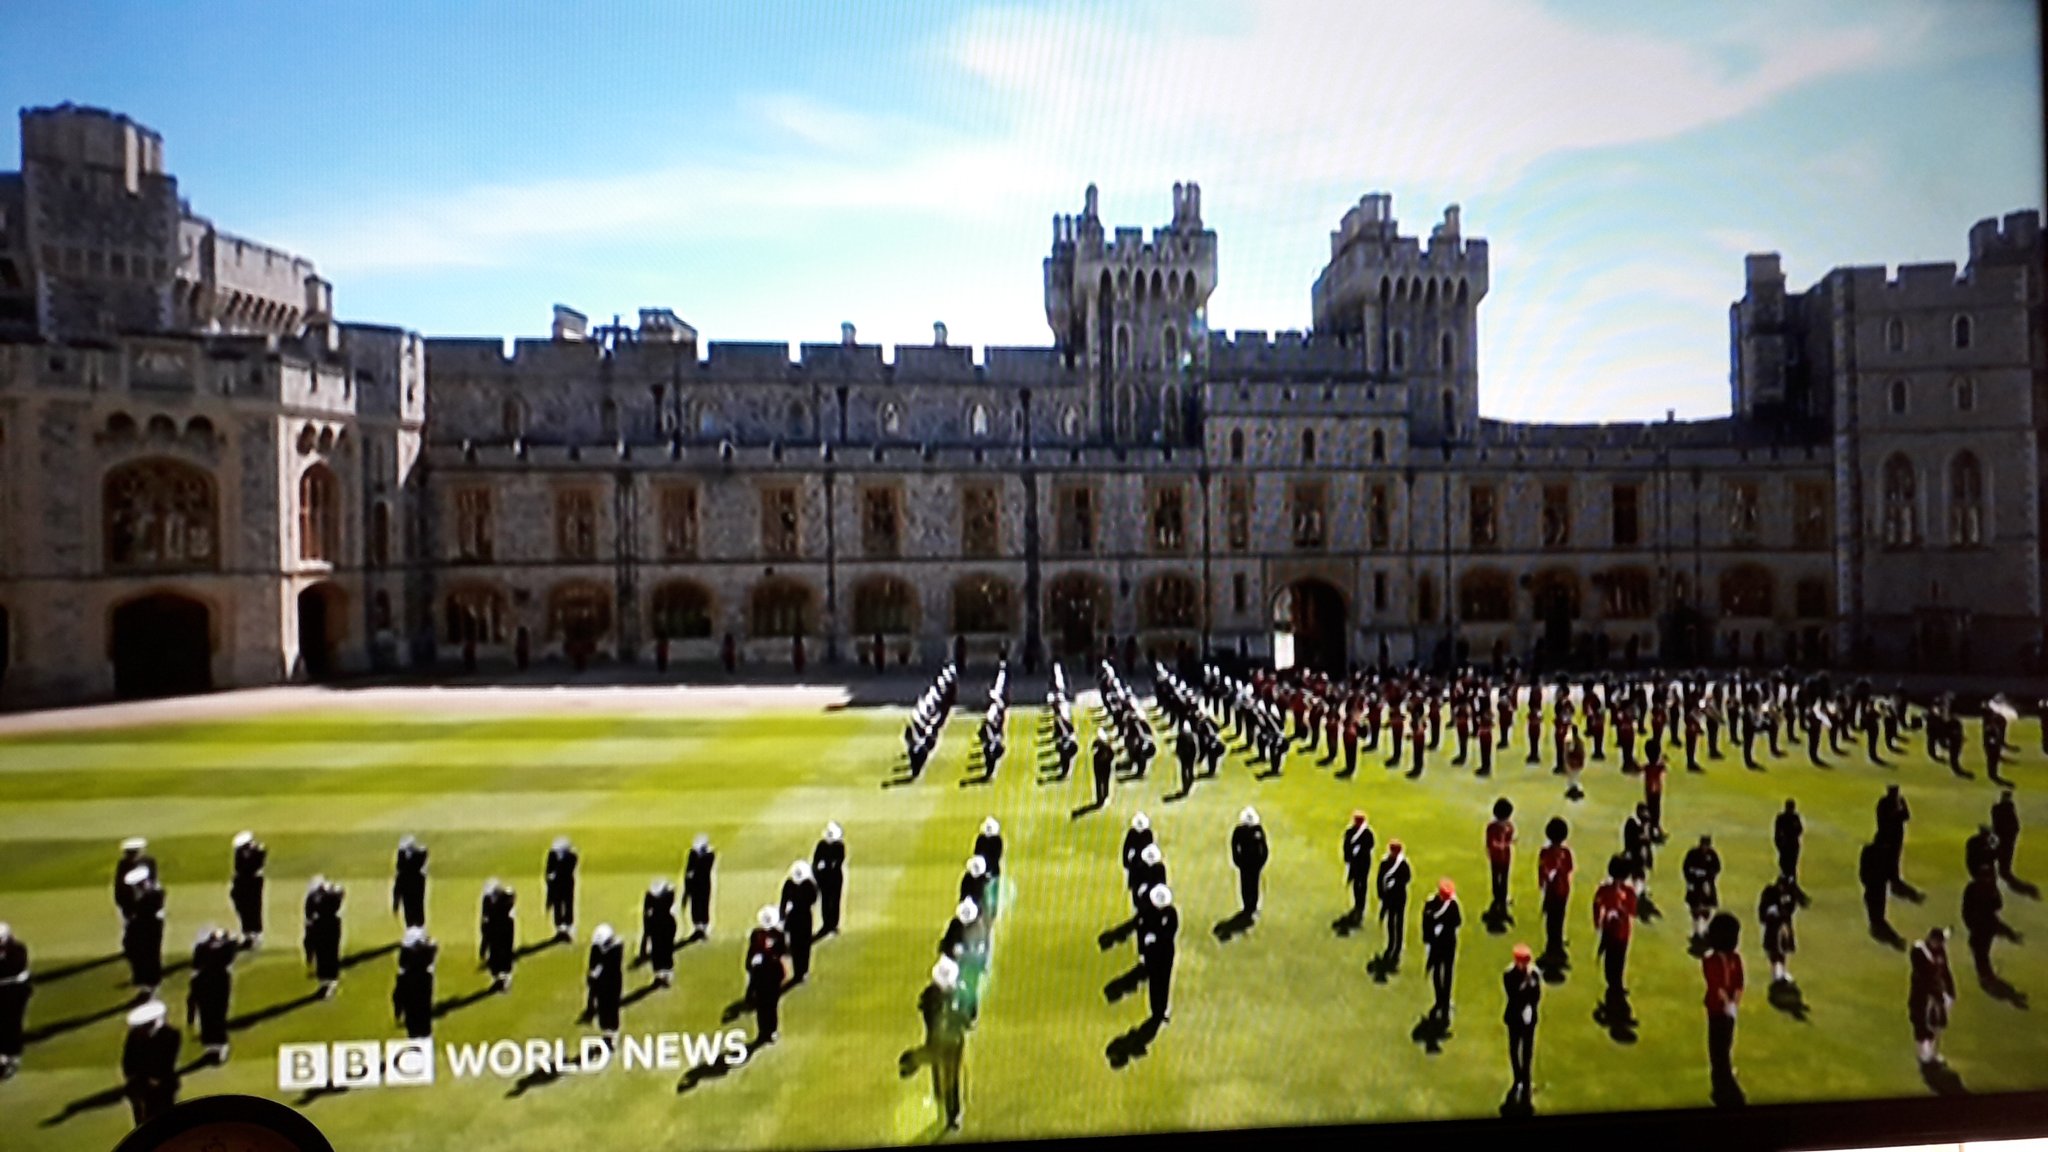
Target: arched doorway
[322,619]
[1078,613]
[1554,595]
[1309,626]
[161,645]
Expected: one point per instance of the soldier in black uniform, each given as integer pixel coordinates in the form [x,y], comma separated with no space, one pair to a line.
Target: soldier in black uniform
[1248,854]
[149,1062]
[697,871]
[949,1012]
[974,886]
[965,942]
[409,882]
[1980,852]
[1441,920]
[1104,761]
[658,930]
[1135,840]
[1873,872]
[1157,933]
[828,868]
[1524,988]
[142,941]
[988,845]
[412,993]
[2005,824]
[1392,882]
[1982,904]
[323,932]
[1892,815]
[134,854]
[497,937]
[1702,868]
[207,997]
[1187,749]
[765,948]
[799,898]
[1787,834]
[15,990]
[1358,846]
[605,981]
[245,891]
[560,874]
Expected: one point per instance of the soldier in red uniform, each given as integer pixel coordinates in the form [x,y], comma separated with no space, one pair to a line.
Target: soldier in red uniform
[1500,850]
[1417,734]
[1654,770]
[1534,725]
[1461,724]
[1614,915]
[1505,710]
[1692,740]
[1350,740]
[1722,969]
[1482,722]
[1625,736]
[1596,724]
[1554,880]
[766,947]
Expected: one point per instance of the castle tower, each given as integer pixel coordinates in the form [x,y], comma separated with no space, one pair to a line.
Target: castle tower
[1132,315]
[1414,309]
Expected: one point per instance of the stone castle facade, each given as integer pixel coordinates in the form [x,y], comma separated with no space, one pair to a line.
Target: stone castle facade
[208,480]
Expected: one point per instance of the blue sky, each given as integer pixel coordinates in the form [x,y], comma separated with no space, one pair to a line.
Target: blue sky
[770,169]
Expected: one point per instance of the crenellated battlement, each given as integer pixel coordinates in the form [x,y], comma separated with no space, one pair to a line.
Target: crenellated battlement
[1304,352]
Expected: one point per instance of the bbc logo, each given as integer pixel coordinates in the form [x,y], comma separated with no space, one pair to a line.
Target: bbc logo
[355,1064]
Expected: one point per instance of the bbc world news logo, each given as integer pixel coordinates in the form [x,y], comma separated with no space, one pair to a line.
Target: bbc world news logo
[357,1064]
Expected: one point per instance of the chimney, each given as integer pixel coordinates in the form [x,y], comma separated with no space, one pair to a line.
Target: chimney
[846,334]
[939,334]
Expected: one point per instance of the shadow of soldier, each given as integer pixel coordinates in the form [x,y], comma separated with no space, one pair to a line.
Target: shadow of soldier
[1132,1045]
[1786,997]
[249,1020]
[538,1078]
[1431,1031]
[52,975]
[1618,1016]
[1999,989]
[1235,926]
[1125,984]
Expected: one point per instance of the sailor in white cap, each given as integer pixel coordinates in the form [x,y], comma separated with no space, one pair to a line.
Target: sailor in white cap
[966,941]
[134,854]
[799,897]
[322,940]
[1150,872]
[658,930]
[142,939]
[989,846]
[149,1062]
[497,942]
[697,871]
[213,961]
[409,882]
[948,1010]
[14,993]
[560,871]
[605,980]
[765,948]
[1248,853]
[412,993]
[828,867]
[245,891]
[1139,835]
[1158,931]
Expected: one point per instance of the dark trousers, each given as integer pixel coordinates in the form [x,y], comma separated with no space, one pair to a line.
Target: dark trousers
[148,1100]
[1980,953]
[213,1016]
[247,896]
[767,999]
[412,904]
[1396,918]
[830,888]
[1248,889]
[1553,926]
[1721,1047]
[13,1010]
[945,1063]
[562,906]
[1500,884]
[325,947]
[1873,906]
[800,954]
[1614,958]
[1360,889]
[1521,1051]
[1159,979]
[1441,964]
[1788,860]
[700,907]
[1101,788]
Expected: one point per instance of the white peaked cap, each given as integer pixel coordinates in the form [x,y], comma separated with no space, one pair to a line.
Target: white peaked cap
[6,932]
[1161,896]
[150,1013]
[205,934]
[967,912]
[415,935]
[945,973]
[702,841]
[135,876]
[492,885]
[833,832]
[976,866]
[561,842]
[314,884]
[989,827]
[134,844]
[1141,822]
[768,916]
[799,871]
[242,838]
[407,840]
[603,935]
[1151,854]
[657,885]
[1249,817]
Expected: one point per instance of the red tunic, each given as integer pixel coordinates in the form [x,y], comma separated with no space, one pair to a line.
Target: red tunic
[1723,971]
[1554,870]
[1614,910]
[1500,841]
[1653,777]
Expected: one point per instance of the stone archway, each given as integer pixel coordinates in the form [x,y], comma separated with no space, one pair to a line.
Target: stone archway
[1077,613]
[323,620]
[1309,614]
[161,645]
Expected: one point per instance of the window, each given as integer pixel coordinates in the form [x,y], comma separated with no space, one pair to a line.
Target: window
[1425,599]
[1170,413]
[1810,597]
[1746,591]
[1169,341]
[1895,397]
[512,417]
[1379,446]
[682,611]
[1966,394]
[797,420]
[1483,517]
[1170,601]
[159,515]
[679,522]
[380,535]
[779,525]
[1379,516]
[1895,335]
[892,420]
[981,525]
[1901,514]
[319,515]
[473,529]
[579,612]
[1399,353]
[1627,516]
[1075,509]
[1447,358]
[1169,518]
[1745,511]
[883,604]
[1625,594]
[977,422]
[1123,346]
[1556,518]
[1379,591]
[1965,501]
[1237,446]
[881,534]
[983,604]
[1963,332]
[475,612]
[1450,406]
[1308,445]
[779,607]
[1485,596]
[1305,505]
[1237,515]
[576,525]
[1810,513]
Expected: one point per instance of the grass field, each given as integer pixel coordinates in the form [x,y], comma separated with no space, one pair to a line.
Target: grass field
[1282,1025]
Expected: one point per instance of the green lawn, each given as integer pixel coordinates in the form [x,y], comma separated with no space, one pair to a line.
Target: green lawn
[1282,1025]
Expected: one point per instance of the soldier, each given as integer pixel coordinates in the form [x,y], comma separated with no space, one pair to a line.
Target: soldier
[1721,968]
[1104,764]
[1787,832]
[658,930]
[949,1013]
[1654,771]
[1554,880]
[1248,855]
[1702,868]
[765,948]
[604,981]
[989,846]
[206,1000]
[1482,734]
[1441,920]
[1358,845]
[409,882]
[1135,840]
[1500,848]
[323,933]
[142,941]
[1148,872]
[1350,734]
[149,1062]
[497,938]
[1614,915]
[1392,883]
[1185,750]
[1774,909]
[1157,934]
[559,871]
[966,942]
[1524,990]
[15,990]
[1998,718]
[134,854]
[1892,816]
[799,897]
[245,891]
[974,885]
[1932,994]
[2005,824]
[1980,853]
[697,885]
[412,994]
[1982,904]
[828,867]
[1873,873]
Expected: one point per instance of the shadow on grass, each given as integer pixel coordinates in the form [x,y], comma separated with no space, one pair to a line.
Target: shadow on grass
[537,947]
[56,1028]
[1124,984]
[1116,935]
[312,1094]
[105,1098]
[1238,925]
[1888,936]
[1786,997]
[1085,809]
[248,1020]
[1943,1080]
[458,1003]
[366,955]
[900,780]
[701,1074]
[1132,1045]
[1347,924]
[640,993]
[1431,1031]
[1618,1016]
[1998,989]
[736,1009]
[52,975]
[538,1078]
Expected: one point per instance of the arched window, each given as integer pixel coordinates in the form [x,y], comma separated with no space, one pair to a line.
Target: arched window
[1379,446]
[1485,596]
[1895,335]
[779,607]
[1450,406]
[1237,445]
[1123,346]
[1155,284]
[380,534]
[884,604]
[319,515]
[1895,397]
[475,612]
[1399,355]
[1965,501]
[983,604]
[977,421]
[1901,503]
[1308,445]
[1170,600]
[1748,591]
[892,420]
[682,611]
[1188,282]
[158,515]
[1966,394]
[1446,353]
[1963,332]
[512,417]
[1169,342]
[1138,289]
[1169,412]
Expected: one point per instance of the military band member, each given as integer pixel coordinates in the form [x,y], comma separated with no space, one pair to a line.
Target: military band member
[1358,845]
[949,1013]
[1702,868]
[245,891]
[1873,873]
[988,844]
[828,868]
[1524,988]
[409,882]
[559,874]
[1721,968]
[1554,879]
[1931,996]
[1482,732]
[1774,911]
[966,943]
[1982,923]
[1147,873]
[15,990]
[1248,855]
[1392,882]
[149,1062]
[765,948]
[134,854]
[799,898]
[2005,824]
[412,994]
[658,931]
[1350,734]
[142,941]
[1998,718]
[1892,816]
[697,869]
[1104,765]
[1614,915]
[206,999]
[1787,834]
[1655,769]
[1571,752]
[1535,724]
[974,885]
[1158,932]
[497,936]
[1418,714]
[1500,850]
[322,939]
[1186,749]
[1980,853]
[1441,920]
[1135,839]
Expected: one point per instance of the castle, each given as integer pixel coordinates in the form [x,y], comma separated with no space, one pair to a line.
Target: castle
[207,480]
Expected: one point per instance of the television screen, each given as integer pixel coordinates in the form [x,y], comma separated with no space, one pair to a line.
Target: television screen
[775,576]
